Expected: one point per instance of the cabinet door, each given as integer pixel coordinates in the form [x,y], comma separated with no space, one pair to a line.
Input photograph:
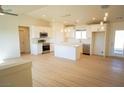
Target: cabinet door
[39,48]
[98,27]
[51,47]
[94,27]
[35,32]
[50,32]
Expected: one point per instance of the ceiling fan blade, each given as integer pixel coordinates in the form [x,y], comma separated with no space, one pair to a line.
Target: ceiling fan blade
[105,6]
[10,13]
[1,9]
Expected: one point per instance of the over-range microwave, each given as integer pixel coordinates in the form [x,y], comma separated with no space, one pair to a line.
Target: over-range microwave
[43,34]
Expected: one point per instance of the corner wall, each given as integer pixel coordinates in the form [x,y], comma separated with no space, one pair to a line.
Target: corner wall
[9,35]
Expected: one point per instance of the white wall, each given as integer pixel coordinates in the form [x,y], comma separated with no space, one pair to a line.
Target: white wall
[9,35]
[114,27]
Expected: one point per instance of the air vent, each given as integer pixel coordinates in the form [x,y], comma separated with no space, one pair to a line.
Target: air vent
[119,17]
[66,15]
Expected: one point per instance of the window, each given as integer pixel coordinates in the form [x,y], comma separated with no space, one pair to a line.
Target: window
[83,34]
[119,42]
[80,34]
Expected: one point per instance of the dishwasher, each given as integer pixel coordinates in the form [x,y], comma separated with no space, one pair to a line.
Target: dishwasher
[86,49]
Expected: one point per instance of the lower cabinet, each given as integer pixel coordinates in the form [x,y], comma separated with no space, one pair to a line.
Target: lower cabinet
[36,49]
[51,47]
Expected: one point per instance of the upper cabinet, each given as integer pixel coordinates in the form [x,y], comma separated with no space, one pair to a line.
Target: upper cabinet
[69,32]
[35,31]
[98,27]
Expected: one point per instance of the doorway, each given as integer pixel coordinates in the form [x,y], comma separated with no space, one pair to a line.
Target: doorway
[119,43]
[24,39]
[99,43]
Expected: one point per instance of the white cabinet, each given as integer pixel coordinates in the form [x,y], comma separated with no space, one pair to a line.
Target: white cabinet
[35,31]
[94,27]
[36,49]
[71,52]
[51,47]
[69,32]
[98,27]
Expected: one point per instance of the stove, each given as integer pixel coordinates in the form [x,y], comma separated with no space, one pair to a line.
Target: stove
[46,47]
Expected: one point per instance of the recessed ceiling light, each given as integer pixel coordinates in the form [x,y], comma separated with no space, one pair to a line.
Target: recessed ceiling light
[77,21]
[53,20]
[65,22]
[44,15]
[106,14]
[1,13]
[93,18]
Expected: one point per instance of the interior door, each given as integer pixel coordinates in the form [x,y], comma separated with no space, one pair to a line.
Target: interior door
[24,39]
[99,38]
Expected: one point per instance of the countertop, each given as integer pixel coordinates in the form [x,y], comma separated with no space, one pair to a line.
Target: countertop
[12,62]
[70,44]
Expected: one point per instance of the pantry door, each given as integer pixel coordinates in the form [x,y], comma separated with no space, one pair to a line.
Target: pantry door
[24,40]
[98,46]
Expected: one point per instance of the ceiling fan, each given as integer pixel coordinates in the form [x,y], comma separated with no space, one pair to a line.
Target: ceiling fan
[2,12]
[105,6]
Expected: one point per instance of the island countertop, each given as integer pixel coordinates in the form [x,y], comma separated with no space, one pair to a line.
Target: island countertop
[70,44]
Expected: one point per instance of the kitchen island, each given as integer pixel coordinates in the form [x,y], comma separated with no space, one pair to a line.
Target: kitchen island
[68,51]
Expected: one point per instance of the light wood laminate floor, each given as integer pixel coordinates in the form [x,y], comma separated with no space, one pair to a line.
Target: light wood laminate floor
[91,71]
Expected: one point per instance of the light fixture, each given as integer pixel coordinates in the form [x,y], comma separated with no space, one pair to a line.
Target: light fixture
[105,18]
[1,13]
[101,23]
[106,14]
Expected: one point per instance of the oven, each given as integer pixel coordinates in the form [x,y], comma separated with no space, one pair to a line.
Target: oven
[46,48]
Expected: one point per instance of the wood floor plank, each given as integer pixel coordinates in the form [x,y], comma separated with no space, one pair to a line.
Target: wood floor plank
[92,71]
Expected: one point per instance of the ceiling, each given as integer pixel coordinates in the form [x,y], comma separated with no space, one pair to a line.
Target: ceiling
[69,14]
